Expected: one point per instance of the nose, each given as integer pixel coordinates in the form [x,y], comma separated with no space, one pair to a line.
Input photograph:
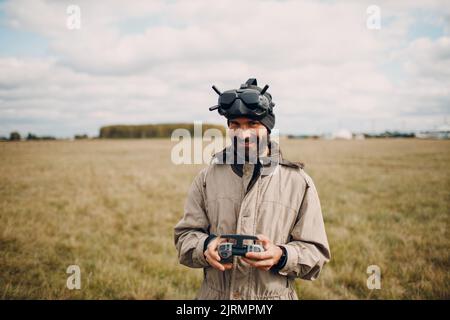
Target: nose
[244,133]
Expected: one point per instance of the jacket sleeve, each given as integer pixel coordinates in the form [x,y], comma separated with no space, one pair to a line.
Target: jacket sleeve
[191,231]
[308,249]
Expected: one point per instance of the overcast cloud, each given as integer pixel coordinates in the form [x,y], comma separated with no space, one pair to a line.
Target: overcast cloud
[138,62]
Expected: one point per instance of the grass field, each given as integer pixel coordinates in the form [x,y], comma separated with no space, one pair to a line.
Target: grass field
[110,207]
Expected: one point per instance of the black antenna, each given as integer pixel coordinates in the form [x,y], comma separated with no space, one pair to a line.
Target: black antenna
[213,108]
[216,90]
[265,89]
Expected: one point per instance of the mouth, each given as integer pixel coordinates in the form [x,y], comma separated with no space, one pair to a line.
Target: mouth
[248,144]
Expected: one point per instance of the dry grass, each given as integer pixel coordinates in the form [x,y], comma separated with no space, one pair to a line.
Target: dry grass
[110,207]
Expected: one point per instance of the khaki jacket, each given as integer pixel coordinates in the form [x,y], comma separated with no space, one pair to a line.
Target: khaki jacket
[281,203]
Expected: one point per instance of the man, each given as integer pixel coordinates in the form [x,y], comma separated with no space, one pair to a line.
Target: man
[269,197]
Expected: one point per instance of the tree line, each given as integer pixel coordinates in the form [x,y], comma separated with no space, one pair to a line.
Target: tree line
[163,130]
[16,136]
[151,130]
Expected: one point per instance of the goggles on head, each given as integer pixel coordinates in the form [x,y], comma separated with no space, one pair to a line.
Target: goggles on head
[249,101]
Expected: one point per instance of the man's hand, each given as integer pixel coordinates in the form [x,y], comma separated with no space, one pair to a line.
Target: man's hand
[212,256]
[264,260]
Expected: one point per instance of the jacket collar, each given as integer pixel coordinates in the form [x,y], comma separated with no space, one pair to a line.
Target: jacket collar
[267,164]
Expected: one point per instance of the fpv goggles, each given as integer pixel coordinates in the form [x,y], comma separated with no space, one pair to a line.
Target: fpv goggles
[248,101]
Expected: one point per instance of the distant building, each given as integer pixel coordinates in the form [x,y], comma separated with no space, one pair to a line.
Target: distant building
[441,132]
[359,136]
[342,134]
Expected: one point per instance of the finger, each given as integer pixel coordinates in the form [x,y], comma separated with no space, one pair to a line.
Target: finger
[265,268]
[228,266]
[264,240]
[209,257]
[214,243]
[264,263]
[260,255]
[215,264]
[258,263]
[214,254]
[261,263]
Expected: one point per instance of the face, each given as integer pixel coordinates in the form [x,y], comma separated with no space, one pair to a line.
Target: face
[247,132]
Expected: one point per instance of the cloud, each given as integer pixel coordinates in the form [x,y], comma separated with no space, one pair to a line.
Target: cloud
[325,68]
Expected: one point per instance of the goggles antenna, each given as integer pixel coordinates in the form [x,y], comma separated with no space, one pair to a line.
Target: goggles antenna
[264,89]
[216,90]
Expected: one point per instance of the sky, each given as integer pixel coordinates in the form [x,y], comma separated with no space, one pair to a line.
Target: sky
[139,62]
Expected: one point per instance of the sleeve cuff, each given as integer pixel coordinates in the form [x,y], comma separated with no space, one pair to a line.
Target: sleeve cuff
[282,262]
[291,260]
[197,256]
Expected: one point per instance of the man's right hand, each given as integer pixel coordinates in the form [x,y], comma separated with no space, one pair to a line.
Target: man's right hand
[212,255]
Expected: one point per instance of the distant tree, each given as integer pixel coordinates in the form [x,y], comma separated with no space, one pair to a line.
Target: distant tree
[81,136]
[47,138]
[32,136]
[162,130]
[14,136]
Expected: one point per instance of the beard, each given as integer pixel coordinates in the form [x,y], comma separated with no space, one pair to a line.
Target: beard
[249,149]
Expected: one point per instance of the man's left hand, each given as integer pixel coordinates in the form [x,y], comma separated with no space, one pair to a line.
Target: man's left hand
[264,260]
